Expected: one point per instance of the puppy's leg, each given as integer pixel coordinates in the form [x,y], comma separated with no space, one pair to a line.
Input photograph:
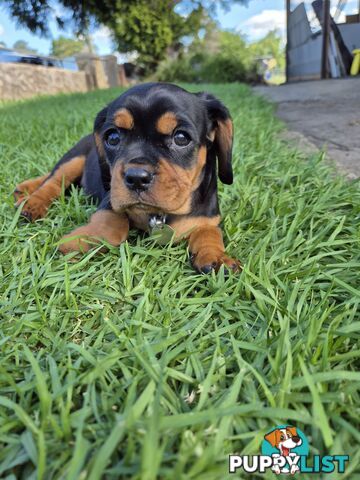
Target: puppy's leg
[205,243]
[104,224]
[65,174]
[28,187]
[207,250]
[44,190]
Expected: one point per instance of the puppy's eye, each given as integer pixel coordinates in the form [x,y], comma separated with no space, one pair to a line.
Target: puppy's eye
[112,138]
[181,138]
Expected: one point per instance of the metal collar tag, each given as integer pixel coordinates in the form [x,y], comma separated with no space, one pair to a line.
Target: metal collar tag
[161,232]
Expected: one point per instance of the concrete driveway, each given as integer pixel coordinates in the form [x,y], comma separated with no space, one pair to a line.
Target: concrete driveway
[326,113]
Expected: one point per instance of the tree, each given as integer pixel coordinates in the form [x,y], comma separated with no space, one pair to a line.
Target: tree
[67,47]
[149,27]
[2,44]
[23,47]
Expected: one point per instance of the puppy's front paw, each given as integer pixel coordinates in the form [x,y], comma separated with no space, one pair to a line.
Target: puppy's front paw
[78,240]
[19,196]
[206,260]
[33,209]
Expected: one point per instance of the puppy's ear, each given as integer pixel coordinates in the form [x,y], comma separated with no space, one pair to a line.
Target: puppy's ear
[272,438]
[221,133]
[99,122]
[104,166]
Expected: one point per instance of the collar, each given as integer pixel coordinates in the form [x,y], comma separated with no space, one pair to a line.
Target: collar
[159,229]
[156,221]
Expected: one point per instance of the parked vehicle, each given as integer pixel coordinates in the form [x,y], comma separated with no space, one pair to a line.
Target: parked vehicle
[12,56]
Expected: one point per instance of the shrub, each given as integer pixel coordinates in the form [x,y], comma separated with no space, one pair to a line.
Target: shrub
[214,68]
[177,70]
[222,68]
[222,56]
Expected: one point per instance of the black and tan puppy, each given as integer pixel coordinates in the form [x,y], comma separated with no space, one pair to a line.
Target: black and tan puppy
[155,153]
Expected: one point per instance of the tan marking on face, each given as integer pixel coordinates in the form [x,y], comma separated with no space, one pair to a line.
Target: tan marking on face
[172,188]
[120,196]
[174,185]
[124,119]
[104,225]
[122,199]
[66,174]
[171,191]
[167,123]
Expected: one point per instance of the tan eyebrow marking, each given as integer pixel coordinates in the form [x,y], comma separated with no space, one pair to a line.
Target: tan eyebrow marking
[124,119]
[166,123]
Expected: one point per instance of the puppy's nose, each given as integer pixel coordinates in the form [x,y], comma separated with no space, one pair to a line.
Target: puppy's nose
[138,179]
[296,439]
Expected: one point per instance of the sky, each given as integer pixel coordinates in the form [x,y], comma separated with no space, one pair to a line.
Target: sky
[254,21]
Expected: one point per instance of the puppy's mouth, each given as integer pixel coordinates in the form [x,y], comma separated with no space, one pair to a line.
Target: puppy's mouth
[135,200]
[143,202]
[144,205]
[142,199]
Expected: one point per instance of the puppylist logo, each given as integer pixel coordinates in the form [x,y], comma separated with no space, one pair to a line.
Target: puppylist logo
[285,450]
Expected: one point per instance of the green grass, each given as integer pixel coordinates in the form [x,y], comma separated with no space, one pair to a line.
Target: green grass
[98,357]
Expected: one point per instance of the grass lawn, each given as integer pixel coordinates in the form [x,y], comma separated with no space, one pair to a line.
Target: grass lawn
[131,365]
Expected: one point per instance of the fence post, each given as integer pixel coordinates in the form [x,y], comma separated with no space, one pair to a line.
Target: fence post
[288,11]
[325,42]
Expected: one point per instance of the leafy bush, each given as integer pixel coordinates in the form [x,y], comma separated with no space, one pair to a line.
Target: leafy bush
[178,70]
[222,68]
[220,57]
[214,68]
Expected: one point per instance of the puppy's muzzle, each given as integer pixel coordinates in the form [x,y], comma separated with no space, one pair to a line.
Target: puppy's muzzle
[138,179]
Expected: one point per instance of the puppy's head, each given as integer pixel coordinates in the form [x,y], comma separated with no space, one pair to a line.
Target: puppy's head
[156,139]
